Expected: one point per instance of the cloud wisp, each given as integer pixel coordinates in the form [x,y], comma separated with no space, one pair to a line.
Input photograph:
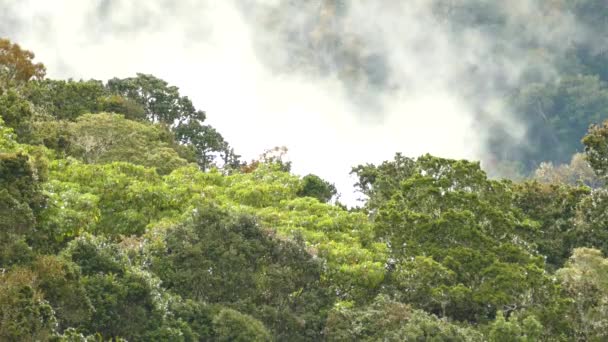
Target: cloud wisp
[339,83]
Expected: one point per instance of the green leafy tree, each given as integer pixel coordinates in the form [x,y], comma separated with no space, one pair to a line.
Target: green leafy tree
[217,257]
[129,302]
[66,100]
[596,148]
[111,199]
[589,228]
[556,206]
[585,280]
[512,330]
[387,320]
[59,282]
[379,182]
[24,313]
[17,113]
[314,186]
[205,140]
[480,243]
[20,196]
[161,102]
[231,325]
[103,138]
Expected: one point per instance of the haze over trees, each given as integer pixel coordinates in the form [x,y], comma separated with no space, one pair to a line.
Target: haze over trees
[124,215]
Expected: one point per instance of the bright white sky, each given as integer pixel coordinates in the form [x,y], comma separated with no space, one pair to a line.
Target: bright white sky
[206,49]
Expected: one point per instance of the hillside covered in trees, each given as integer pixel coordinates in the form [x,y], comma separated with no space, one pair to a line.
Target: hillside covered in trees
[125,216]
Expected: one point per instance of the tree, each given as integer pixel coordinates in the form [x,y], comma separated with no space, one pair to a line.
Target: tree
[161,102]
[515,329]
[556,207]
[20,196]
[596,148]
[231,325]
[103,138]
[111,200]
[128,302]
[585,280]
[579,171]
[24,313]
[387,320]
[17,113]
[59,281]
[314,186]
[589,228]
[204,139]
[481,245]
[121,105]
[66,100]
[225,258]
[231,161]
[379,182]
[17,66]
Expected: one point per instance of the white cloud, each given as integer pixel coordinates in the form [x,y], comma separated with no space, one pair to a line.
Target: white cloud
[219,57]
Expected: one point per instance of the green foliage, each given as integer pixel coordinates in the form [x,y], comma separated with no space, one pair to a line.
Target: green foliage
[480,243]
[267,186]
[18,179]
[123,216]
[128,302]
[120,105]
[161,102]
[379,182]
[585,280]
[24,314]
[596,148]
[314,186]
[220,258]
[204,139]
[556,207]
[231,325]
[7,137]
[20,202]
[17,113]
[110,199]
[66,100]
[103,138]
[59,281]
[591,221]
[388,320]
[512,330]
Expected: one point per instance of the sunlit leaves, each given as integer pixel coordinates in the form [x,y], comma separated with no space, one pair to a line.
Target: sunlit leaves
[585,280]
[102,138]
[16,65]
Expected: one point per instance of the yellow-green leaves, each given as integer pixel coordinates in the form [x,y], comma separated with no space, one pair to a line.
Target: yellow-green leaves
[585,281]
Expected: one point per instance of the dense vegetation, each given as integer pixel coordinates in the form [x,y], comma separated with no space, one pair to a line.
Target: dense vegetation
[124,216]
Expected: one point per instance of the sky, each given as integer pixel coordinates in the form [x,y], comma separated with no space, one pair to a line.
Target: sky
[337,85]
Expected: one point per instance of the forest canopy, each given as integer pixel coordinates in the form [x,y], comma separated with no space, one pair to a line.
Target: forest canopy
[125,216]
